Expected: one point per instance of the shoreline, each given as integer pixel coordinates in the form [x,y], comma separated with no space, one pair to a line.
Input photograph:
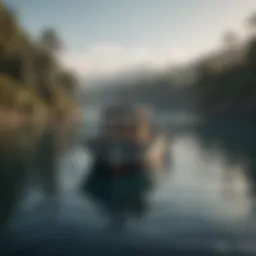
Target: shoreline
[12,118]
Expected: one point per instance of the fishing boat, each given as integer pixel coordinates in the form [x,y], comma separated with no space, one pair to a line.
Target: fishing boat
[129,158]
[127,142]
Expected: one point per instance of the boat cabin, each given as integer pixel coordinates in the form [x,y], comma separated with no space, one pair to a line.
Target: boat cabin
[126,123]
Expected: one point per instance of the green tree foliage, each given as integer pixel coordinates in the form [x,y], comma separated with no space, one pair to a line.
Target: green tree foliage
[68,81]
[251,54]
[30,68]
[251,22]
[230,90]
[50,40]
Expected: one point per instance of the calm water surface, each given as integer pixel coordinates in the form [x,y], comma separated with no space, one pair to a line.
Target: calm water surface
[205,202]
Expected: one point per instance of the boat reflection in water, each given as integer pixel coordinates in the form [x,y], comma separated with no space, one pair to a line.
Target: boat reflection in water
[127,162]
[122,195]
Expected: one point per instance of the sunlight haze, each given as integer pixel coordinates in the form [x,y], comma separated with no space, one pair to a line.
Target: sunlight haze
[110,36]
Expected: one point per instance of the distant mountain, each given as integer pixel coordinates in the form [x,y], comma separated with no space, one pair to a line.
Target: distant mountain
[128,76]
[159,89]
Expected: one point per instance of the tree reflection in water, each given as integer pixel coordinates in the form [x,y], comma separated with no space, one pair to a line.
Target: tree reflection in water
[15,159]
[12,178]
[29,158]
[46,163]
[237,141]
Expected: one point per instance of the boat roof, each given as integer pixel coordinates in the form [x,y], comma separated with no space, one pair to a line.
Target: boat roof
[125,113]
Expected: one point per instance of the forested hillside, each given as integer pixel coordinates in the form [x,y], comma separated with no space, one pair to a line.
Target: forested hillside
[31,78]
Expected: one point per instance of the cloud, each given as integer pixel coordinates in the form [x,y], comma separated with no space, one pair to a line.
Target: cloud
[109,58]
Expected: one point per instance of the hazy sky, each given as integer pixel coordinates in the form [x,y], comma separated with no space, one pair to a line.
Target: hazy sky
[109,35]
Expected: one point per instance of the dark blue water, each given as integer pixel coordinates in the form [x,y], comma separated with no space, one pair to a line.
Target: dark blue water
[204,204]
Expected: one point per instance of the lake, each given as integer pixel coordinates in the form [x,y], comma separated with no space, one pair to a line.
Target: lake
[204,204]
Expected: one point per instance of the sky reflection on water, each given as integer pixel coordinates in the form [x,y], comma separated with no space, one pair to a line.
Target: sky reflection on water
[205,199]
